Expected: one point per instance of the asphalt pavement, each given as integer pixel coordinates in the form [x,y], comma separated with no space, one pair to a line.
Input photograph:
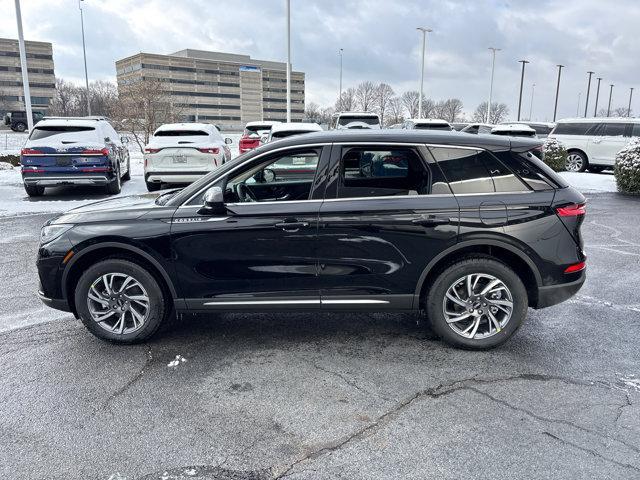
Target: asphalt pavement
[308,396]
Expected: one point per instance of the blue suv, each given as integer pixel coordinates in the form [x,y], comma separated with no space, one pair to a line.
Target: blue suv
[74,151]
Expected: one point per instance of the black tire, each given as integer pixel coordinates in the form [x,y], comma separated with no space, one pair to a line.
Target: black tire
[34,190]
[153,186]
[476,264]
[19,127]
[127,176]
[579,163]
[158,309]
[114,187]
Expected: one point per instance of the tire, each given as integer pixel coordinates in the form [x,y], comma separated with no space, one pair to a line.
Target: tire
[114,187]
[153,186]
[19,127]
[127,176]
[109,328]
[34,190]
[487,335]
[576,161]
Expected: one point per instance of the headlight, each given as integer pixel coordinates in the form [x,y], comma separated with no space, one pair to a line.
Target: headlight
[51,232]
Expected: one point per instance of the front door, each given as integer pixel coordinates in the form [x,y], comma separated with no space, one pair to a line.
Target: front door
[388,212]
[261,253]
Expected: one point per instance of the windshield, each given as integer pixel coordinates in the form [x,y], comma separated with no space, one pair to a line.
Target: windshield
[346,120]
[64,133]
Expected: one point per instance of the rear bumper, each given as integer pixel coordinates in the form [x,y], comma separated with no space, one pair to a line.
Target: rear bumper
[54,180]
[554,294]
[173,177]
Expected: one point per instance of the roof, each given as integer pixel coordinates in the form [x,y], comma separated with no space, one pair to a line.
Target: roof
[185,126]
[354,114]
[545,124]
[513,127]
[287,127]
[438,137]
[70,121]
[600,120]
[428,121]
[261,122]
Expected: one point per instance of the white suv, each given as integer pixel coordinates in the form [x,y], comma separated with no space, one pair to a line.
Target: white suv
[592,143]
[182,153]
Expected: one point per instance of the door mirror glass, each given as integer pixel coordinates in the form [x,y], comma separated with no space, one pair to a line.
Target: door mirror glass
[213,201]
[228,140]
[124,140]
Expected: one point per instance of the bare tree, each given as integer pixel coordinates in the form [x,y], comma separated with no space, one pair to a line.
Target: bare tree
[104,96]
[347,102]
[396,111]
[365,96]
[382,98]
[142,107]
[410,102]
[325,115]
[449,109]
[312,111]
[67,99]
[615,112]
[499,112]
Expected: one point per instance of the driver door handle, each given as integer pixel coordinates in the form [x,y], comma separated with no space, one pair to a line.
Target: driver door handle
[291,226]
[431,221]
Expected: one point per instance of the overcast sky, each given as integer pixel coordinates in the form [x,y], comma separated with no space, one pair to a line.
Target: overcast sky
[379,39]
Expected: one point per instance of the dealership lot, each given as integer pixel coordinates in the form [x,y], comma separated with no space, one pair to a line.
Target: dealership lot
[320,396]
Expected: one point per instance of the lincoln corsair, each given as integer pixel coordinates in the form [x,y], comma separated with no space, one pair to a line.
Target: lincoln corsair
[471,230]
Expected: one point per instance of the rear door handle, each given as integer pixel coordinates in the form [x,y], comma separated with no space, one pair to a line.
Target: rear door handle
[291,226]
[431,221]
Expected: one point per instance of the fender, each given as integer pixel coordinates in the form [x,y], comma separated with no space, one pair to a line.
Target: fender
[469,243]
[123,246]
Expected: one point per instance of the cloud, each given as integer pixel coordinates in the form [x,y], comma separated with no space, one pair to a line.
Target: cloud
[379,39]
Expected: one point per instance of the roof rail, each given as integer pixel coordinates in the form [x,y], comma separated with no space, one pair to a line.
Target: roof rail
[92,117]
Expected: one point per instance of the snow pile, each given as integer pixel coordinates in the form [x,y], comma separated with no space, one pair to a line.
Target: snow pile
[6,166]
[176,361]
[627,168]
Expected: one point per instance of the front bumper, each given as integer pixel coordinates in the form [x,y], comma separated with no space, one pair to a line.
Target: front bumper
[554,294]
[57,303]
[55,180]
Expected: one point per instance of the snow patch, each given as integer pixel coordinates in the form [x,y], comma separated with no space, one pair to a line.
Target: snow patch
[176,361]
[591,182]
[6,166]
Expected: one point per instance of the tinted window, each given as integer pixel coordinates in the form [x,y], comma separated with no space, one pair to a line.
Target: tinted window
[473,171]
[64,132]
[373,172]
[432,126]
[344,120]
[536,174]
[580,128]
[614,129]
[636,130]
[180,133]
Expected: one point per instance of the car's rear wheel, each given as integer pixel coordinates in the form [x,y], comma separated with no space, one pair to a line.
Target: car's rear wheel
[115,186]
[476,303]
[153,186]
[34,190]
[19,127]
[120,301]
[576,162]
[127,176]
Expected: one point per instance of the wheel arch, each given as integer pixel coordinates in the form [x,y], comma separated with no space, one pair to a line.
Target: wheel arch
[579,150]
[500,250]
[94,253]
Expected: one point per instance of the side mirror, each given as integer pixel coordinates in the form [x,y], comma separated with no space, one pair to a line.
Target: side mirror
[264,138]
[228,140]
[124,140]
[213,202]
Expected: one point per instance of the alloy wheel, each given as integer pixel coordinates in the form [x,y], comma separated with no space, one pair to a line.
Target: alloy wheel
[118,303]
[477,306]
[574,162]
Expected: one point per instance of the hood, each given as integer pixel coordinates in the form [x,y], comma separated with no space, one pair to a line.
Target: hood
[121,208]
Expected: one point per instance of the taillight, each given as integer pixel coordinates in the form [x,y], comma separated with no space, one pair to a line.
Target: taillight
[211,150]
[576,267]
[573,210]
[95,151]
[31,151]
[151,150]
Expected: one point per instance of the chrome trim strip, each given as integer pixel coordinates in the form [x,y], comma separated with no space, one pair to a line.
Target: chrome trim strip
[352,302]
[63,155]
[299,302]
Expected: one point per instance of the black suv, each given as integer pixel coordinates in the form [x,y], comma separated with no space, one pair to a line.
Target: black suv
[470,229]
[17,120]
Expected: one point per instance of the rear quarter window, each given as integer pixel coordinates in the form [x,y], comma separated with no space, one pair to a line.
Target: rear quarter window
[534,172]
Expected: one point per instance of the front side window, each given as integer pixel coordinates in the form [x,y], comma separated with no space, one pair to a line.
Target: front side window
[384,171]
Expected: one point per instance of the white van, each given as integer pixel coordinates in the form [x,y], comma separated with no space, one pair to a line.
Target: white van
[592,143]
[355,120]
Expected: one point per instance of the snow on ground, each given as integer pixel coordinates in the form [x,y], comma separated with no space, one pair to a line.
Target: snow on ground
[591,182]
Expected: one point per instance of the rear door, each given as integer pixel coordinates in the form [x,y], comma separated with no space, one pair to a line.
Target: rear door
[610,138]
[387,213]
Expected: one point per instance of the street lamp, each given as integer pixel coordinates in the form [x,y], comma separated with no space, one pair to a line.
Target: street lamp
[578,107]
[84,52]
[340,96]
[533,89]
[555,108]
[288,2]
[424,42]
[523,62]
[23,67]
[586,103]
[610,95]
[595,109]
[493,65]
[630,97]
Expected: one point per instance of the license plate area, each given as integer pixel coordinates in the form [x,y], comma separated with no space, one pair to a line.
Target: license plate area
[179,159]
[64,161]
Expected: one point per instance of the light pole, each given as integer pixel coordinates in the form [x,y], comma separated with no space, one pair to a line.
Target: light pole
[595,109]
[23,67]
[586,102]
[610,95]
[630,97]
[340,95]
[288,61]
[493,65]
[84,52]
[424,43]
[533,89]
[555,108]
[523,62]
[578,107]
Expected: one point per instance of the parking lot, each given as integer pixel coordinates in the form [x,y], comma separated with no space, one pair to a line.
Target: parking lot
[327,396]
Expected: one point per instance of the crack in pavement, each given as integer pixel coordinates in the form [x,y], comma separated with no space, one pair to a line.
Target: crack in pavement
[130,383]
[449,388]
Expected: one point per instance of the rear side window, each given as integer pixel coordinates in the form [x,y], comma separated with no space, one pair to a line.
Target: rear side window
[380,171]
[64,133]
[579,128]
[635,132]
[476,171]
[535,173]
[181,133]
[614,129]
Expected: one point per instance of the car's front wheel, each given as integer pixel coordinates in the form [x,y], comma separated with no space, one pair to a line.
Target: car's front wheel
[576,162]
[476,303]
[19,127]
[120,301]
